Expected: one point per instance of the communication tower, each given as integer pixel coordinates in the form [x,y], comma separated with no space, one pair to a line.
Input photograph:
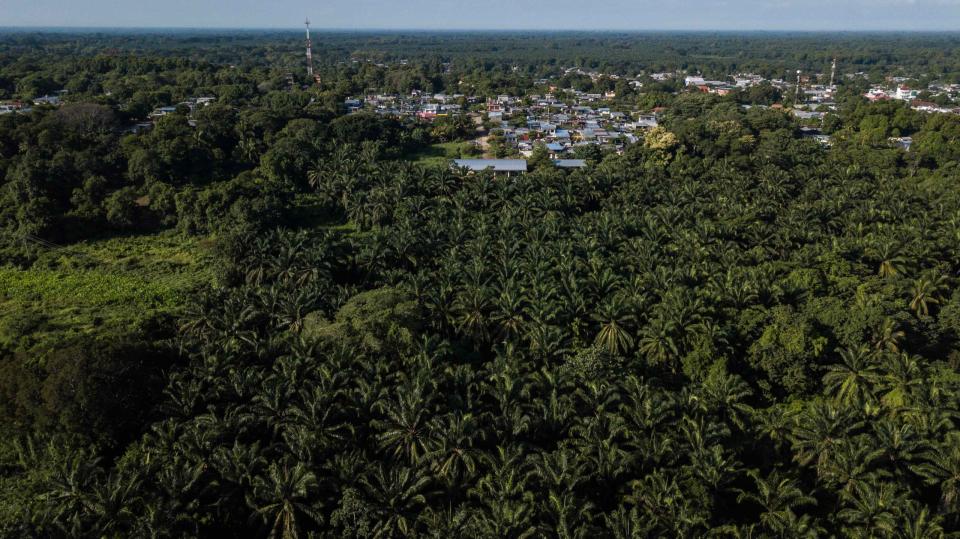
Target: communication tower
[309,52]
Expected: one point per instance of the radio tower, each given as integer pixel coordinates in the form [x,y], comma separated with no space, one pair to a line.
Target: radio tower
[309,52]
[797,98]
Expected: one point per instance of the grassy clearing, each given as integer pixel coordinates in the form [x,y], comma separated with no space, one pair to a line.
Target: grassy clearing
[438,154]
[99,287]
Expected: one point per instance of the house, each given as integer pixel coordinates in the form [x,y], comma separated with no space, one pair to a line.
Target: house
[906,94]
[508,167]
[903,143]
[876,94]
[140,127]
[52,100]
[555,148]
[807,115]
[646,121]
[162,111]
[569,163]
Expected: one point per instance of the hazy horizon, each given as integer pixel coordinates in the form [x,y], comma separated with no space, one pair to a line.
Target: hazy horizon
[491,15]
[385,29]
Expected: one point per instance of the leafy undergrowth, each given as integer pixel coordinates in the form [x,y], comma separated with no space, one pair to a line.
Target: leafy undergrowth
[99,288]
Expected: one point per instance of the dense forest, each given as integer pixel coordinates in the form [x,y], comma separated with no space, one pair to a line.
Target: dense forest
[263,318]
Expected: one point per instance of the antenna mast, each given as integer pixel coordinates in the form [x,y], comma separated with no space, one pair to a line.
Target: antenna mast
[797,98]
[309,52]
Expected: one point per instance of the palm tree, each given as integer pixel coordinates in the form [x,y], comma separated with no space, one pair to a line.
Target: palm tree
[406,429]
[888,337]
[853,463]
[925,292]
[472,307]
[902,379]
[68,493]
[452,449]
[669,511]
[940,467]
[918,523]
[779,496]
[851,381]
[281,499]
[871,510]
[565,516]
[395,496]
[506,507]
[626,524]
[897,443]
[657,342]
[614,335]
[891,263]
[818,432]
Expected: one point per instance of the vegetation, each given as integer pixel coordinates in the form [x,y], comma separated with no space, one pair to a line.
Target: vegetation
[293,329]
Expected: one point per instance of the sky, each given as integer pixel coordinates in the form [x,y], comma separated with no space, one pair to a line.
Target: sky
[830,15]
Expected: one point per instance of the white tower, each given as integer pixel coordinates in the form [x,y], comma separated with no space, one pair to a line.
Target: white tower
[833,71]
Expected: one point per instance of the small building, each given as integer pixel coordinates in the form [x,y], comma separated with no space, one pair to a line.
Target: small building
[569,163]
[555,148]
[508,167]
[52,100]
[903,143]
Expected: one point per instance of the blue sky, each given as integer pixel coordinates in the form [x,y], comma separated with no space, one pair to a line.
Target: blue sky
[493,14]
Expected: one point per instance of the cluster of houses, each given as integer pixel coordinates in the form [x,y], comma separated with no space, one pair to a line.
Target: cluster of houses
[901,91]
[9,107]
[193,104]
[562,119]
[420,104]
[562,127]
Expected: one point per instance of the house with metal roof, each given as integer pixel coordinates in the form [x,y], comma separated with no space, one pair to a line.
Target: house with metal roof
[498,166]
[569,163]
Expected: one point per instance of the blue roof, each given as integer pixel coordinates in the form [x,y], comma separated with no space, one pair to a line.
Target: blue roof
[497,165]
[555,147]
[570,163]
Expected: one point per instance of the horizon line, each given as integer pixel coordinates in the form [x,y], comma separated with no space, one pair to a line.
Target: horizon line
[486,30]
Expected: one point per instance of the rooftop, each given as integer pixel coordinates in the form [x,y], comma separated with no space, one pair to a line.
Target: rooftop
[497,165]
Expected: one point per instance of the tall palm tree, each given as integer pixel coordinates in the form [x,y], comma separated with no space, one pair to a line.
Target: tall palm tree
[871,510]
[940,467]
[614,319]
[818,431]
[888,336]
[282,499]
[395,496]
[924,292]
[779,496]
[505,505]
[851,380]
[452,448]
[406,428]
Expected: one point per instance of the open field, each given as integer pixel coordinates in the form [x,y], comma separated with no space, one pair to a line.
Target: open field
[438,154]
[99,287]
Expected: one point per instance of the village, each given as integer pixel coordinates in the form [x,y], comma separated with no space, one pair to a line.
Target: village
[569,124]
